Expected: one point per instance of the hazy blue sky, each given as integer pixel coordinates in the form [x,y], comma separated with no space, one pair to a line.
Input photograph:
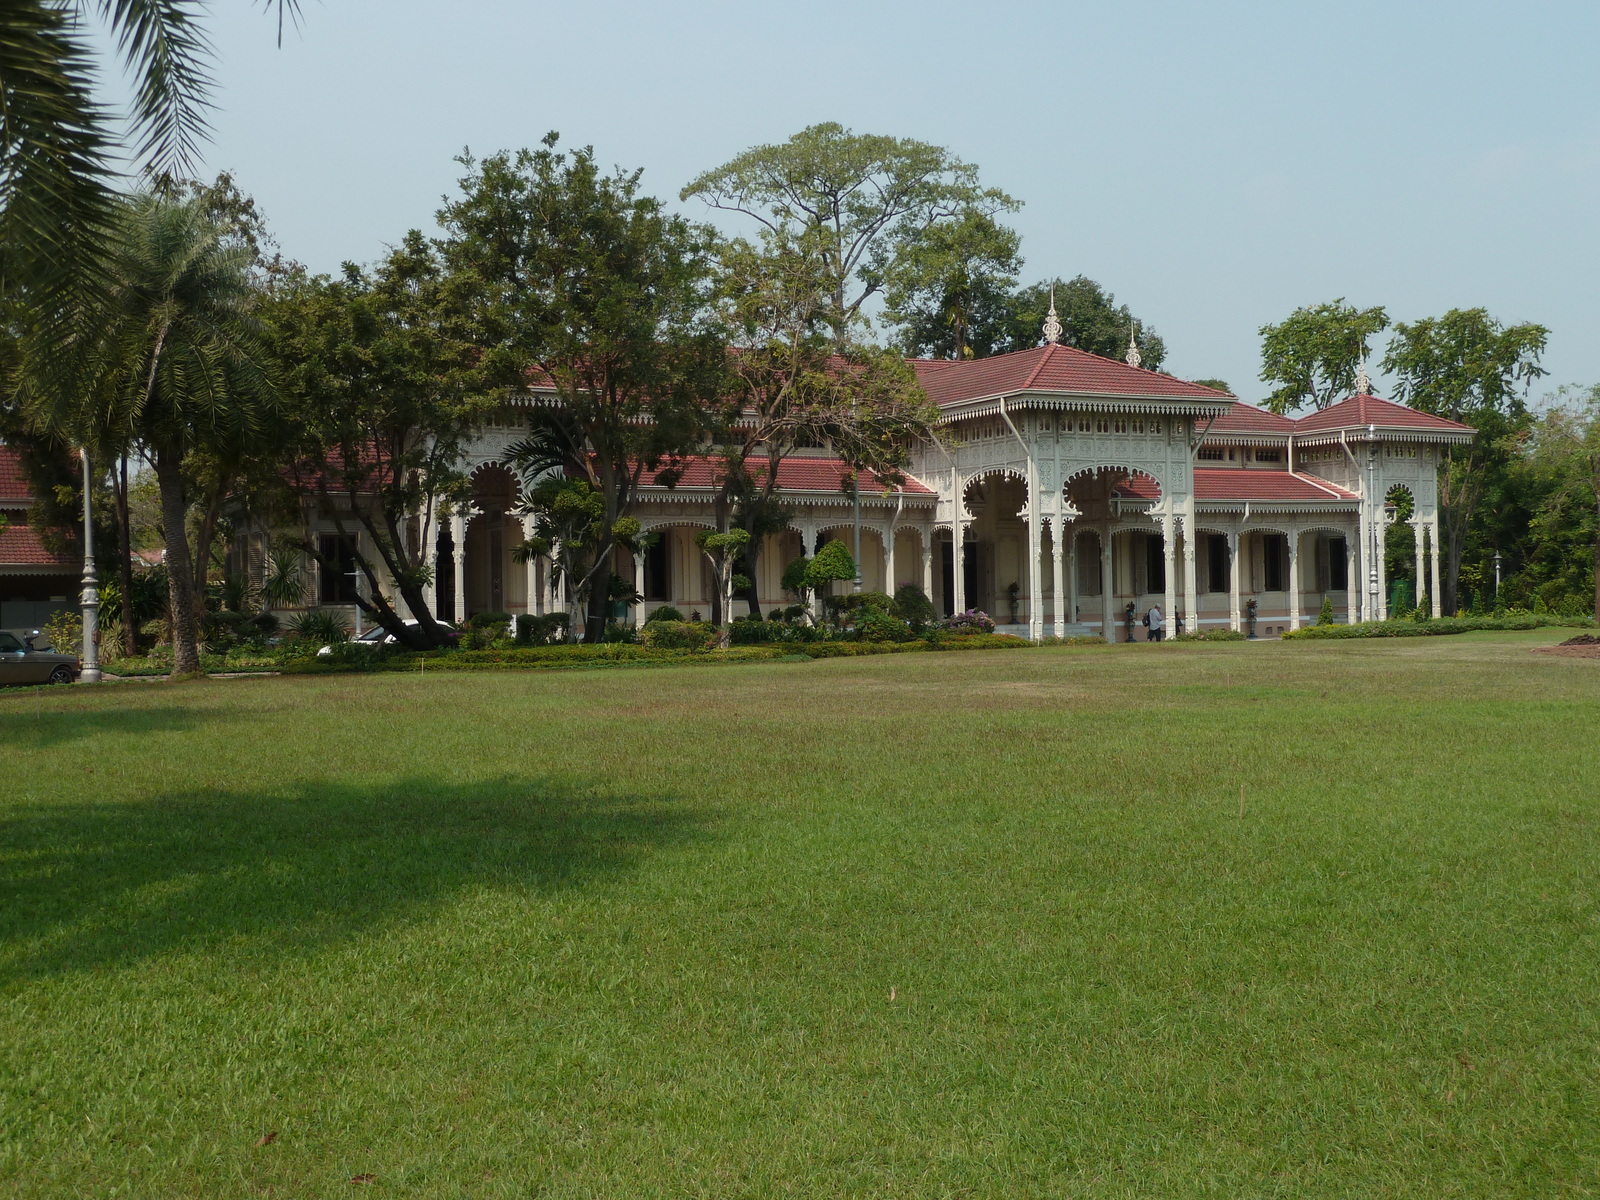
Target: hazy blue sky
[1213,164]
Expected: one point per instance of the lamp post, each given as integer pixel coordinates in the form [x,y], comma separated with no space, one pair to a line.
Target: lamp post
[1497,574]
[855,492]
[90,600]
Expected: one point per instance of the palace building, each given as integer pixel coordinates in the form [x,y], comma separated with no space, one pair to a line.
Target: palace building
[1074,486]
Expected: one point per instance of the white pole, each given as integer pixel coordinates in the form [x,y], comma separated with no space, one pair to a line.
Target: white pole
[90,599]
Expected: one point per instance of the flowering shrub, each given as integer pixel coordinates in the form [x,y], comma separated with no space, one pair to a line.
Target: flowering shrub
[971,621]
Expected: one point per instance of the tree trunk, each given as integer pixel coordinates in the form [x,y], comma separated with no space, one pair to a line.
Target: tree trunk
[598,608]
[204,536]
[130,625]
[747,566]
[180,576]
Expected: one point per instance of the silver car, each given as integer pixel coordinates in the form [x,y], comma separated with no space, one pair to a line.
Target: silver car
[26,657]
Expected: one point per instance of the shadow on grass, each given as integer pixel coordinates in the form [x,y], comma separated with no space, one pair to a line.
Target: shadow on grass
[111,883]
[28,728]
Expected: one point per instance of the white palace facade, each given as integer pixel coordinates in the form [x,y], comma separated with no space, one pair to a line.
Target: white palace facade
[1073,486]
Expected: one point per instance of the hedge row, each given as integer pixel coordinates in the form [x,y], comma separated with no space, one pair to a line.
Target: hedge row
[1437,627]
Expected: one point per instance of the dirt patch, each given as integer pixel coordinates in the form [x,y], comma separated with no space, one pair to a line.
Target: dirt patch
[1576,648]
[1583,639]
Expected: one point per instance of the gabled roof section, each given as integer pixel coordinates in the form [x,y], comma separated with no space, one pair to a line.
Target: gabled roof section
[1245,418]
[20,547]
[14,488]
[1235,483]
[1054,368]
[1359,411]
[796,473]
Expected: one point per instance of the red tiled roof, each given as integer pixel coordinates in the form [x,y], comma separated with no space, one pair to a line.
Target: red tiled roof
[1050,369]
[795,474]
[1357,412]
[1247,418]
[13,484]
[20,547]
[1234,483]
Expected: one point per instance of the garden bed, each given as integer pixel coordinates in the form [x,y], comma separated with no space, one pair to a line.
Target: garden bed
[1437,627]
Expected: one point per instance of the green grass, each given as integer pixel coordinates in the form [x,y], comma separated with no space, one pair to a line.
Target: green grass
[925,925]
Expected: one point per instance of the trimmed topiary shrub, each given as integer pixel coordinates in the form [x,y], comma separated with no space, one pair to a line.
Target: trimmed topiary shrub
[680,635]
[665,613]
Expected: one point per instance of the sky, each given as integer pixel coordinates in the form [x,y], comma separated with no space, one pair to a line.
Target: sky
[1215,165]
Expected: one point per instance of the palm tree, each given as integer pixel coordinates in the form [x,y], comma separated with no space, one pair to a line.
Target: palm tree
[58,145]
[178,364]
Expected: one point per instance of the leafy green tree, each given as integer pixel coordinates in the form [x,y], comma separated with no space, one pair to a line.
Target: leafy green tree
[578,282]
[382,393]
[1091,320]
[1220,384]
[957,277]
[857,204]
[725,551]
[1313,354]
[571,529]
[789,385]
[831,564]
[1467,366]
[1563,460]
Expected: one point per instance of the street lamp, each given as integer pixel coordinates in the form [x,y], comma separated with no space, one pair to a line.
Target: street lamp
[1372,491]
[90,600]
[1497,574]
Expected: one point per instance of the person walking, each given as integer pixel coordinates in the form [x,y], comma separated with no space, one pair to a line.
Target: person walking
[1153,619]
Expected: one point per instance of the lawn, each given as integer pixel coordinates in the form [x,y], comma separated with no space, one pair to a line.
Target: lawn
[932,925]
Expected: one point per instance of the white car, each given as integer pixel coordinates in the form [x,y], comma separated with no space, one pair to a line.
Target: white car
[377,636]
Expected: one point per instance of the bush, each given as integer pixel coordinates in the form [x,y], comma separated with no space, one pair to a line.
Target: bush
[535,630]
[969,622]
[665,613]
[874,626]
[64,632]
[1325,617]
[1211,635]
[680,635]
[616,634]
[487,620]
[264,625]
[1437,626]
[912,606]
[319,625]
[766,633]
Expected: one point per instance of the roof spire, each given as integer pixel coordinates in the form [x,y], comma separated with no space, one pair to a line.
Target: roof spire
[1052,323]
[1133,357]
[1363,381]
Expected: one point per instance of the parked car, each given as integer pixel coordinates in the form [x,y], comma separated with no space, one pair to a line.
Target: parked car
[26,657]
[379,636]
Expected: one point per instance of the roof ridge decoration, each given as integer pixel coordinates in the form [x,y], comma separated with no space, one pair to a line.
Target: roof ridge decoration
[1133,357]
[1363,380]
[1052,322]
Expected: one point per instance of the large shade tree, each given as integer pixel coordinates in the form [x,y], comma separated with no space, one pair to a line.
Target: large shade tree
[382,391]
[1314,354]
[1468,367]
[858,204]
[590,291]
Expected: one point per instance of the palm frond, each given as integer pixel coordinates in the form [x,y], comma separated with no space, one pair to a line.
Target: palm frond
[163,48]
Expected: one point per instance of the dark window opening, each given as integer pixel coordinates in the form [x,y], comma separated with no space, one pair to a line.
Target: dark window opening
[1269,455]
[337,584]
[1274,549]
[1155,563]
[1210,453]
[1216,563]
[1338,565]
[658,570]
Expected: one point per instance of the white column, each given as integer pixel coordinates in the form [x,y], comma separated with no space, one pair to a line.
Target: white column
[1235,616]
[1072,573]
[638,581]
[927,564]
[1294,578]
[1035,549]
[1169,533]
[458,543]
[1191,592]
[1417,536]
[532,602]
[888,561]
[429,556]
[1382,552]
[1059,595]
[1435,596]
[1352,580]
[958,576]
[1108,620]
